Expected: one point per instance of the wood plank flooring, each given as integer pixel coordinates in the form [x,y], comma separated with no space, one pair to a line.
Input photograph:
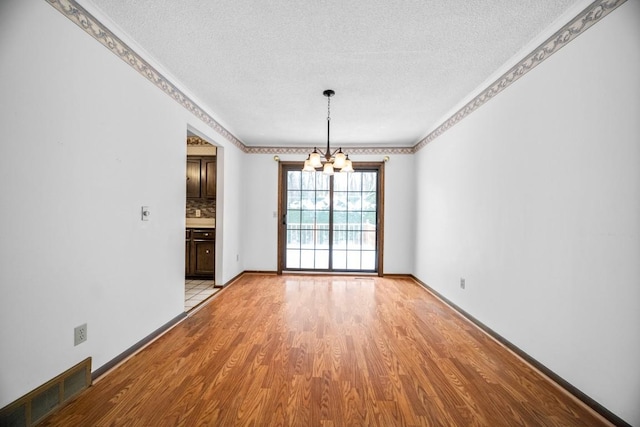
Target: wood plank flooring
[324,351]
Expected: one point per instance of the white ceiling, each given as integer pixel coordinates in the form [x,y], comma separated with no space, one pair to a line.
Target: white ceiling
[398,66]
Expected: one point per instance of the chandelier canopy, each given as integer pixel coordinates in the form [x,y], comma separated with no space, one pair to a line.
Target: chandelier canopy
[327,160]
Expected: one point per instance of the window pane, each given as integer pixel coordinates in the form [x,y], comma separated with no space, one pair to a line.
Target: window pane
[293,180]
[308,218]
[339,259]
[369,219]
[306,239]
[339,201]
[353,260]
[293,199]
[355,218]
[354,201]
[355,181]
[308,199]
[322,259]
[354,239]
[369,181]
[308,181]
[340,181]
[339,239]
[322,181]
[293,219]
[339,220]
[369,201]
[306,259]
[293,238]
[293,259]
[368,260]
[322,239]
[369,240]
[322,218]
[322,200]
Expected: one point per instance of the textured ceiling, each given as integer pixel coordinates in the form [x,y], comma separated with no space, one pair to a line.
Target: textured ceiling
[398,67]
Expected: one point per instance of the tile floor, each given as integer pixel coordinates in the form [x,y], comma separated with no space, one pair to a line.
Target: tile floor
[196,291]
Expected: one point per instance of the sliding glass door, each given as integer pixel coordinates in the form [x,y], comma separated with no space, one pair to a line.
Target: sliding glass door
[331,223]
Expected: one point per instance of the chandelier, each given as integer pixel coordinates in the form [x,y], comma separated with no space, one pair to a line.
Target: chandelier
[327,160]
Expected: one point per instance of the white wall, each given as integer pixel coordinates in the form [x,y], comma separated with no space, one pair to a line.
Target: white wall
[261,201]
[230,228]
[85,142]
[535,200]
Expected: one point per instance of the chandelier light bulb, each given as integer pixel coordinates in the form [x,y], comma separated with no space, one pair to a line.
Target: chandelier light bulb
[307,166]
[348,167]
[328,169]
[314,159]
[339,160]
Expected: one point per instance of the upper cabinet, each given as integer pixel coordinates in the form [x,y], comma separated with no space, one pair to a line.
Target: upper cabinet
[193,178]
[201,177]
[208,177]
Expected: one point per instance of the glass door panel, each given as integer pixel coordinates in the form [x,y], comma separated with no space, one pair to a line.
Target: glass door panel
[331,221]
[307,221]
[354,227]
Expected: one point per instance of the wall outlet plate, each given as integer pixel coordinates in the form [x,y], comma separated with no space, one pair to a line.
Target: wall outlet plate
[462,283]
[79,334]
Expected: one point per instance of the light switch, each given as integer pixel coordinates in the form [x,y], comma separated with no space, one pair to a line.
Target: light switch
[145,213]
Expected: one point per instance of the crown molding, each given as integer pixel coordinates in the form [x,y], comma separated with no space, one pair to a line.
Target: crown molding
[96,29]
[92,26]
[584,20]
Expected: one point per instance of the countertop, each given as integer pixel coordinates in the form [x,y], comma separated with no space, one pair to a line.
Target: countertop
[201,223]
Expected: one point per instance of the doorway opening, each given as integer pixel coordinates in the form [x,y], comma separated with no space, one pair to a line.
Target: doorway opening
[200,213]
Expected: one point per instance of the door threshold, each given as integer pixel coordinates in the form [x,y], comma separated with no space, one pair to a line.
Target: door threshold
[329,273]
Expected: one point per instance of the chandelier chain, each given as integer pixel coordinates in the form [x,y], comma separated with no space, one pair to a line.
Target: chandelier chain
[328,108]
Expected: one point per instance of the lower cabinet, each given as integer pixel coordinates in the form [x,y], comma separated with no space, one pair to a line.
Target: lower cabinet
[200,253]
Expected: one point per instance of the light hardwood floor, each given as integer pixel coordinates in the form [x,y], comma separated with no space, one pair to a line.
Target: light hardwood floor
[324,351]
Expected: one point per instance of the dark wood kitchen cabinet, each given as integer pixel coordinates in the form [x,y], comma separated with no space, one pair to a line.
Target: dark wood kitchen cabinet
[193,178]
[208,177]
[200,253]
[201,177]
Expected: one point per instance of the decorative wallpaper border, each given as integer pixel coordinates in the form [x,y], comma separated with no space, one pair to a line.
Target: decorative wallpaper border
[349,150]
[592,14]
[584,20]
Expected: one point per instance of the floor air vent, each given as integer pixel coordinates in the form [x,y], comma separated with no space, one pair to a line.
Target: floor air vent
[33,407]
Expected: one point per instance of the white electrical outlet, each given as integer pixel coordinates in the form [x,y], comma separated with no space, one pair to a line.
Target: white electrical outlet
[198,213]
[79,334]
